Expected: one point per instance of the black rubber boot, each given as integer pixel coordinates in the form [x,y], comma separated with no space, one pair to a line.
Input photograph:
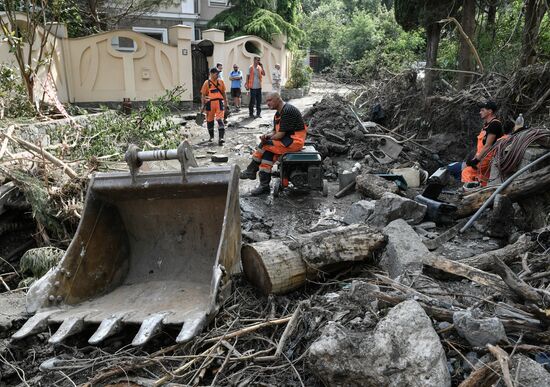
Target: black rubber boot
[221,134]
[251,170]
[263,188]
[210,127]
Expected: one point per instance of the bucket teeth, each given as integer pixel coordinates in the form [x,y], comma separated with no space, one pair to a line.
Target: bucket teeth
[150,326]
[108,327]
[69,327]
[191,328]
[35,324]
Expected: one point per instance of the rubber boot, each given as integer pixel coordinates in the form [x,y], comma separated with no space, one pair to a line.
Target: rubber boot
[210,127]
[263,188]
[221,133]
[250,171]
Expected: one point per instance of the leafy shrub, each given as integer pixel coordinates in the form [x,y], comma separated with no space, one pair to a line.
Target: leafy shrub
[300,73]
[13,95]
[110,133]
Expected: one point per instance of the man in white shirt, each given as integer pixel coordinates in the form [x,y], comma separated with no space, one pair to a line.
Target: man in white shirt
[276,78]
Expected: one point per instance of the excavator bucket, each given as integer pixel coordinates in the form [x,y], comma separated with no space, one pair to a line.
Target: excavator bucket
[152,248]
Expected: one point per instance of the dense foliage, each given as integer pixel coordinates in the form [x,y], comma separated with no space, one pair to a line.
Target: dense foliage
[364,38]
[262,18]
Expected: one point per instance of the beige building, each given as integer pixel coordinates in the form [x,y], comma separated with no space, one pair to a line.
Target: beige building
[193,13]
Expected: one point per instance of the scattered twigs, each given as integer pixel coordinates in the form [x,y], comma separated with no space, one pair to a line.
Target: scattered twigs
[286,334]
[9,132]
[48,156]
[249,329]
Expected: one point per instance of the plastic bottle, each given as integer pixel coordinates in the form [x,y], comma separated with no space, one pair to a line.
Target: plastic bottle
[520,121]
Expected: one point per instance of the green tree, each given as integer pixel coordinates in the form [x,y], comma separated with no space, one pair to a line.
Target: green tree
[260,18]
[465,55]
[411,14]
[534,13]
[29,39]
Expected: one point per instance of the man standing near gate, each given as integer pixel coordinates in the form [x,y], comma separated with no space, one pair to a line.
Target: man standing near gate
[254,84]
[236,78]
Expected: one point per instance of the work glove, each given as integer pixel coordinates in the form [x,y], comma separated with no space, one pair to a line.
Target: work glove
[472,163]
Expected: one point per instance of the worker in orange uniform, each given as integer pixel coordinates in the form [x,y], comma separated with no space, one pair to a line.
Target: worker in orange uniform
[288,135]
[477,169]
[214,102]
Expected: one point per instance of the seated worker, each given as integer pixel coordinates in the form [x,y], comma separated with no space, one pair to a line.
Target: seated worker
[289,135]
[214,102]
[477,168]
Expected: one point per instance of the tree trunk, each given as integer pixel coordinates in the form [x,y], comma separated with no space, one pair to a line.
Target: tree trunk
[491,19]
[508,254]
[465,57]
[433,34]
[281,265]
[533,183]
[534,12]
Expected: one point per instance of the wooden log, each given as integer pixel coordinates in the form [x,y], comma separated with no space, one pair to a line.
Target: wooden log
[531,184]
[281,265]
[504,362]
[478,276]
[483,376]
[517,285]
[443,314]
[507,254]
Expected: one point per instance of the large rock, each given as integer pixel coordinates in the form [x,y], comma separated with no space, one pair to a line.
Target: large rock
[12,308]
[403,350]
[527,373]
[359,212]
[404,250]
[392,206]
[477,330]
[373,186]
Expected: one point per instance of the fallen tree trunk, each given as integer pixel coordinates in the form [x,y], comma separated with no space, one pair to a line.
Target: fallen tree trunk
[507,254]
[532,183]
[516,284]
[281,265]
[460,269]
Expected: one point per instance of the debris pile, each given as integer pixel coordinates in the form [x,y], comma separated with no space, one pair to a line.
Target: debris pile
[391,298]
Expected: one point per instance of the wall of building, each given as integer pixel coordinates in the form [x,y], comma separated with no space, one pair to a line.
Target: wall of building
[207,11]
[236,51]
[101,73]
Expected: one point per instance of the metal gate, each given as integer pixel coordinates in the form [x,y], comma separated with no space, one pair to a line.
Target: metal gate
[200,70]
